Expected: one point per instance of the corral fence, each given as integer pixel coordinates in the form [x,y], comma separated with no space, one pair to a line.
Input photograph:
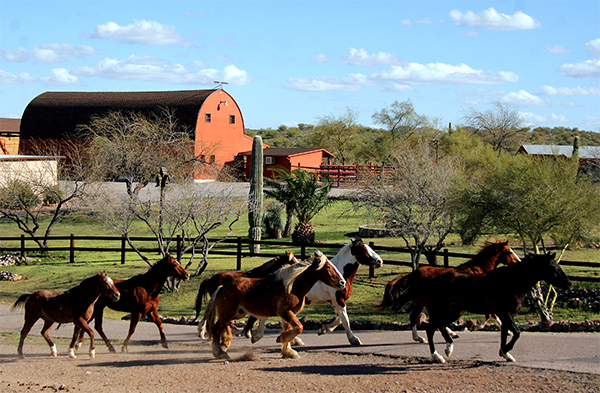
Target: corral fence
[345,174]
[238,247]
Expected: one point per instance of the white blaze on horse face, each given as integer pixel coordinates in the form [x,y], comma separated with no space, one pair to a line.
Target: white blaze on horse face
[374,255]
[515,254]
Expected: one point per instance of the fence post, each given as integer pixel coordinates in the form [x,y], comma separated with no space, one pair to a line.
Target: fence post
[122,250]
[72,249]
[239,254]
[446,259]
[22,245]
[302,252]
[179,247]
[371,268]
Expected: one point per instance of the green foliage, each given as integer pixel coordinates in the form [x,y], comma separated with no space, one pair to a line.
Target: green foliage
[272,222]
[18,194]
[52,195]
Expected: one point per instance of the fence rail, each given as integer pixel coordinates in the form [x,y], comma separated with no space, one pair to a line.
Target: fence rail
[235,247]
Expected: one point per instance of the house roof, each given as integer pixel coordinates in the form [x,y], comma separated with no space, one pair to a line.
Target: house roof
[560,150]
[55,115]
[288,152]
[9,125]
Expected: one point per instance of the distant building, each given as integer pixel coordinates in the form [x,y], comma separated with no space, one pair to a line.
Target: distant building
[589,156]
[213,117]
[288,158]
[37,171]
[9,135]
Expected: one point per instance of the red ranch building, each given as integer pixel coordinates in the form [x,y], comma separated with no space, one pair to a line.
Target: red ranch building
[213,117]
[289,158]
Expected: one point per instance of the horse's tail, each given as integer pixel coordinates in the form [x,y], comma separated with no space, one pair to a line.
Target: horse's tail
[392,292]
[202,294]
[20,303]
[210,315]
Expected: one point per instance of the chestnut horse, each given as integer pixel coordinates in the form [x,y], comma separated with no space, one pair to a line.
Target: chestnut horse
[280,294]
[347,261]
[501,291]
[139,296]
[490,256]
[75,305]
[209,285]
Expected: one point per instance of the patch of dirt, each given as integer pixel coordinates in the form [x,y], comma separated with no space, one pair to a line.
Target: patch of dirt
[185,368]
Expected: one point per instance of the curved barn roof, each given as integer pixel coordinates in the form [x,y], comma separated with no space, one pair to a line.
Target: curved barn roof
[55,115]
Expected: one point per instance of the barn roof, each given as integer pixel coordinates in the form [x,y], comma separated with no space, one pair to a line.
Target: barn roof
[9,125]
[288,151]
[55,115]
[560,150]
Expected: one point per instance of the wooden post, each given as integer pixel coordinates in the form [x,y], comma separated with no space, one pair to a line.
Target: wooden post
[371,268]
[179,247]
[446,259]
[22,245]
[72,249]
[302,252]
[239,254]
[122,250]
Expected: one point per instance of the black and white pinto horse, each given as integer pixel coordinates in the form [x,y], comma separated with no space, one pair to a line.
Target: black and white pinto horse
[347,261]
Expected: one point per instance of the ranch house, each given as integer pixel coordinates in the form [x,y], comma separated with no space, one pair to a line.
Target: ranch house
[288,158]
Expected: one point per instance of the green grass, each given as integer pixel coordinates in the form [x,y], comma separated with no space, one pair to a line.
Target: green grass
[334,225]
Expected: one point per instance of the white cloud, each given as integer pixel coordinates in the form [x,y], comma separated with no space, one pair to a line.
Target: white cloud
[524,98]
[440,73]
[61,77]
[558,49]
[140,32]
[406,22]
[363,58]
[492,19]
[594,47]
[61,53]
[18,55]
[155,69]
[9,78]
[320,84]
[533,120]
[570,91]
[398,87]
[584,69]
[427,21]
[321,58]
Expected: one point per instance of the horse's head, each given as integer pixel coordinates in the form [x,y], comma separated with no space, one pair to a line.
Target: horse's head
[506,255]
[327,272]
[107,287]
[173,268]
[551,272]
[365,254]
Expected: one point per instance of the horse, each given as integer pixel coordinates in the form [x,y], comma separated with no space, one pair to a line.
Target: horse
[500,291]
[75,305]
[209,285]
[139,296]
[347,261]
[280,294]
[488,258]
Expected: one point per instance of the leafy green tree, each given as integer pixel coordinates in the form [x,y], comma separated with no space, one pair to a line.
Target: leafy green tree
[336,134]
[304,196]
[400,119]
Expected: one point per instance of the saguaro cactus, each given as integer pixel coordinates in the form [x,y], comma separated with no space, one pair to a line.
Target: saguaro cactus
[255,205]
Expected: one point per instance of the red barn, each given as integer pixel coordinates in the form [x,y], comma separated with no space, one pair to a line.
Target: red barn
[213,117]
[290,159]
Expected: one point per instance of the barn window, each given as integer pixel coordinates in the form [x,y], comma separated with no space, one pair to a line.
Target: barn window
[208,117]
[269,160]
[232,119]
[212,158]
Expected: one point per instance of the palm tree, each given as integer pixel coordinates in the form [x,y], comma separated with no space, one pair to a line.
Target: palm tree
[304,196]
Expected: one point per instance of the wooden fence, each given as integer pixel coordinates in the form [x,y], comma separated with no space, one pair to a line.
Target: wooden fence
[236,246]
[343,174]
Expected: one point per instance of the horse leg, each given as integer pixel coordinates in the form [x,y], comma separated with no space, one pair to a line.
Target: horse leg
[434,355]
[508,323]
[449,343]
[98,316]
[82,325]
[221,339]
[259,332]
[247,332]
[292,327]
[153,315]
[415,316]
[135,318]
[342,313]
[47,325]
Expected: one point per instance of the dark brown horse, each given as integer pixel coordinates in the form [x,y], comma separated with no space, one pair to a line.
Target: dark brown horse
[280,294]
[210,284]
[490,256]
[75,305]
[501,291]
[139,296]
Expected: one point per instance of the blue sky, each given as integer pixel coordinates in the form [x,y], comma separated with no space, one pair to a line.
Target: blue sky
[290,62]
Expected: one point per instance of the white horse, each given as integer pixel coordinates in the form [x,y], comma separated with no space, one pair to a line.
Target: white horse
[347,261]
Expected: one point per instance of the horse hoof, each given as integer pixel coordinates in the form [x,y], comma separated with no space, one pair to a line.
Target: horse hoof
[321,332]
[356,342]
[437,358]
[507,356]
[290,355]
[449,350]
[278,339]
[72,354]
[53,351]
[298,342]
[92,353]
[112,349]
[165,346]
[123,349]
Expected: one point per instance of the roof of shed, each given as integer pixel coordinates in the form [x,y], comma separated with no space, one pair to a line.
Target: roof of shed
[9,125]
[288,151]
[561,150]
[55,115]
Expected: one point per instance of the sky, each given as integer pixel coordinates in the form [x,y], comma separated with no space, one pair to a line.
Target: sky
[291,62]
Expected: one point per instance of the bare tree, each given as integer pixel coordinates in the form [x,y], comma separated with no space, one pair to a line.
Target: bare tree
[400,119]
[499,126]
[412,200]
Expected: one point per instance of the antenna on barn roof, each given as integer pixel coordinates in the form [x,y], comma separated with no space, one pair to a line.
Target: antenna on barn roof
[220,84]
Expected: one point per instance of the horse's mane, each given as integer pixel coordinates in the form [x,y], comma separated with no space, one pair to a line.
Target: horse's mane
[488,249]
[270,266]
[289,274]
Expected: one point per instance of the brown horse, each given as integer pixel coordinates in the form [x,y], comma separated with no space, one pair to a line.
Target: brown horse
[501,291]
[280,294]
[210,284]
[139,296]
[75,305]
[490,256]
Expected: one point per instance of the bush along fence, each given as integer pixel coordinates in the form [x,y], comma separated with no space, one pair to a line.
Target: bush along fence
[235,247]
